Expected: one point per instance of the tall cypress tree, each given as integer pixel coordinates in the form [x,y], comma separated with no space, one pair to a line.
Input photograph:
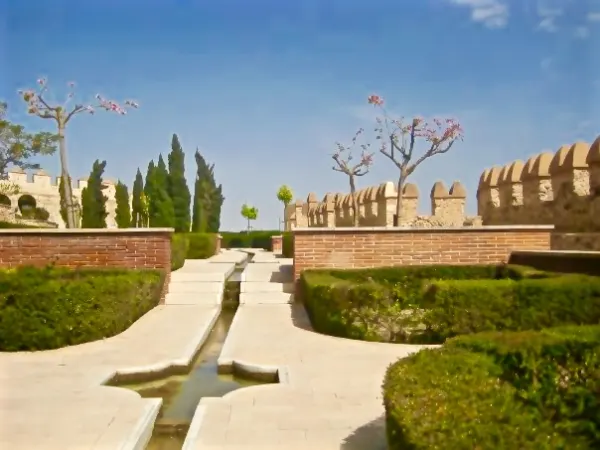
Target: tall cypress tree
[160,206]
[208,198]
[93,200]
[178,188]
[136,201]
[123,210]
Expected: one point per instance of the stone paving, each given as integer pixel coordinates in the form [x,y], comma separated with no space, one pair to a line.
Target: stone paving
[329,395]
[54,400]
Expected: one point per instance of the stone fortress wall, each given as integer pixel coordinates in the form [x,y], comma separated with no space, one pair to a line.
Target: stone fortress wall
[377,207]
[560,189]
[44,191]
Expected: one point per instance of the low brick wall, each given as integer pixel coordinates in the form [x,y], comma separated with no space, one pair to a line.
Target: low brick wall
[342,248]
[277,244]
[576,241]
[133,248]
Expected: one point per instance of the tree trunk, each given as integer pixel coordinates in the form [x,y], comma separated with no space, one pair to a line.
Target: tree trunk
[67,188]
[399,188]
[248,228]
[354,201]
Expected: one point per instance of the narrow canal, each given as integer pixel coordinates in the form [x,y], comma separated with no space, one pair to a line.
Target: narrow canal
[182,393]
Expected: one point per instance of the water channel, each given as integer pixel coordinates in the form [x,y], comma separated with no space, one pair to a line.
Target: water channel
[181,393]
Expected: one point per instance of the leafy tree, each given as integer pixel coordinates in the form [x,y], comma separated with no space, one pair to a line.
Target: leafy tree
[343,163]
[208,198]
[398,140]
[39,105]
[17,147]
[136,201]
[249,213]
[93,200]
[160,206]
[63,203]
[123,210]
[285,196]
[178,188]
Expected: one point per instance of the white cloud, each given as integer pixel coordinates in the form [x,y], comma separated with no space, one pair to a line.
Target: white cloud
[593,16]
[491,13]
[547,17]
[581,32]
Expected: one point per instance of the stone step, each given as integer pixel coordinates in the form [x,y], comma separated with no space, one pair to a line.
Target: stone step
[266,298]
[265,286]
[202,298]
[195,287]
[191,277]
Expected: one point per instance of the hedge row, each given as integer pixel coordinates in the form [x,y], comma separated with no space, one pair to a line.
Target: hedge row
[14,225]
[502,390]
[191,246]
[287,245]
[46,308]
[252,239]
[428,304]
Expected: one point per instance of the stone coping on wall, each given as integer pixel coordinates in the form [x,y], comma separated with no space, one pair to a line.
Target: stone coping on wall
[66,231]
[424,230]
[559,253]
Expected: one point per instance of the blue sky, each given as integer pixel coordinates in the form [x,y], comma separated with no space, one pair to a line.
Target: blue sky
[265,88]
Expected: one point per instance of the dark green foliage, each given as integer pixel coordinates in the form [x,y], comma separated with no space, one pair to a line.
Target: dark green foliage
[501,390]
[201,245]
[287,245]
[123,210]
[208,198]
[63,202]
[178,188]
[428,304]
[93,200]
[10,225]
[160,206]
[252,239]
[46,308]
[179,250]
[137,210]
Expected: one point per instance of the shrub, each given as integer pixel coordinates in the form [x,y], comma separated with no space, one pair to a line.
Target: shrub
[424,304]
[179,250]
[6,225]
[287,245]
[471,306]
[252,239]
[501,390]
[201,245]
[46,308]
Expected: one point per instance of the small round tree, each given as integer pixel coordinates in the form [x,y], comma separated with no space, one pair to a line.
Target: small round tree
[285,196]
[249,213]
[39,105]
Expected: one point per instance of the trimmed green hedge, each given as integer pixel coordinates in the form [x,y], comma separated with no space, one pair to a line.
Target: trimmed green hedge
[428,304]
[46,308]
[14,225]
[179,249]
[201,245]
[537,390]
[287,245]
[252,239]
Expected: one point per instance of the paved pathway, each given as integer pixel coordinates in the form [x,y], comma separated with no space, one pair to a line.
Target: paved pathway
[53,400]
[330,391]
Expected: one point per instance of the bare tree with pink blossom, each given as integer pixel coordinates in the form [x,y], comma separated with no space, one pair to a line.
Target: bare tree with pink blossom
[398,138]
[39,105]
[344,163]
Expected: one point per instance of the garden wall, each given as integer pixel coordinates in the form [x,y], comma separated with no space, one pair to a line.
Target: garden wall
[317,248]
[134,248]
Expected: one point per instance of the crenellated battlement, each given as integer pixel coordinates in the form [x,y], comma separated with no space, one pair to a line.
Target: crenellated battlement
[377,207]
[44,190]
[562,189]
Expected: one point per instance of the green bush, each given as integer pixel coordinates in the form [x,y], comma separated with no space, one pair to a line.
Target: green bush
[287,245]
[179,249]
[201,245]
[252,239]
[6,225]
[46,308]
[471,306]
[427,304]
[501,390]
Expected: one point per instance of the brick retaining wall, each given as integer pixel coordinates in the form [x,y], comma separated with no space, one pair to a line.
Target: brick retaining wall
[133,248]
[378,247]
